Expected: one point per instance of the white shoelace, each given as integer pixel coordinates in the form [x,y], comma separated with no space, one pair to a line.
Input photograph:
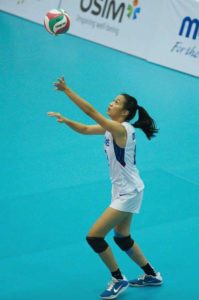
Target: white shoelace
[145,275]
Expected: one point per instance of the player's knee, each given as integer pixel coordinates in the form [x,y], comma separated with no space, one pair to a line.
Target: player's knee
[124,242]
[98,244]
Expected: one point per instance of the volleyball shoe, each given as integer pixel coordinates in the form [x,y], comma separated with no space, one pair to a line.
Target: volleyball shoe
[115,288]
[147,280]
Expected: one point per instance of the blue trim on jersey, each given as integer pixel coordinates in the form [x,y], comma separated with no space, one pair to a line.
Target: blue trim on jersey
[119,154]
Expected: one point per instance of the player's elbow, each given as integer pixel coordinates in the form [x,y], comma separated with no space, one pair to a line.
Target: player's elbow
[84,130]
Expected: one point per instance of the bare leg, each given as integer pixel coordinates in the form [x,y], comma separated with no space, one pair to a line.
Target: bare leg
[123,230]
[134,253]
[103,225]
[109,260]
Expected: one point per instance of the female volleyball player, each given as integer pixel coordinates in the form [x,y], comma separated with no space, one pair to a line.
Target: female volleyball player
[127,186]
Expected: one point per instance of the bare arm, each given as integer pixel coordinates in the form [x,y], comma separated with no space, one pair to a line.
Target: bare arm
[76,126]
[114,127]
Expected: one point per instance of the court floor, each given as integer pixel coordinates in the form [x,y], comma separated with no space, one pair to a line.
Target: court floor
[54,183]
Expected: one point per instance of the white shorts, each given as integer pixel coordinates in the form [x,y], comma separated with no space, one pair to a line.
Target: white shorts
[130,204]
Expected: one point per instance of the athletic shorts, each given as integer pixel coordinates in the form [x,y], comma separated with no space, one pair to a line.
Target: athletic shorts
[131,204]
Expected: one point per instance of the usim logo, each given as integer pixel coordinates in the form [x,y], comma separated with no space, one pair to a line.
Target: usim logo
[133,10]
[111,9]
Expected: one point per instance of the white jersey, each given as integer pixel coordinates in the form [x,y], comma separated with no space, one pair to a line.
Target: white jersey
[122,163]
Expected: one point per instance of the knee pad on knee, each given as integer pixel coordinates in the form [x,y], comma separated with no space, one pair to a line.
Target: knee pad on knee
[98,244]
[124,242]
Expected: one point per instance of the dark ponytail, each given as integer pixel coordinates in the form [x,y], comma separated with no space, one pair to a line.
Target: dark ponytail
[144,122]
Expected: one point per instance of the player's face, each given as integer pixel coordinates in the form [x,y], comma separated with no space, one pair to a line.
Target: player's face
[116,108]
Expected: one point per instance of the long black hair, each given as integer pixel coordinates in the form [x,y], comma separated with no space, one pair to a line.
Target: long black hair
[144,122]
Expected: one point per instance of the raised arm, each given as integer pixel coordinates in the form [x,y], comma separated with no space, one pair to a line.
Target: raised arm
[76,126]
[114,127]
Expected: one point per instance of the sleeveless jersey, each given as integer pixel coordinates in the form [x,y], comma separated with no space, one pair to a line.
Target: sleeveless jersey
[122,163]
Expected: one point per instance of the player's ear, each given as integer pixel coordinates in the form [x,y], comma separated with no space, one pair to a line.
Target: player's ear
[125,112]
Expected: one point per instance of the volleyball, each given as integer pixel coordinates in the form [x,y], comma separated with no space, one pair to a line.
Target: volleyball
[57,21]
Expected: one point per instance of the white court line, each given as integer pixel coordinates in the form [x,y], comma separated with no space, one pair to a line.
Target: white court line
[181,177]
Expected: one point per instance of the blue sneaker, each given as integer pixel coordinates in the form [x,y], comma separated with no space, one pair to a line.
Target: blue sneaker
[146,280]
[115,288]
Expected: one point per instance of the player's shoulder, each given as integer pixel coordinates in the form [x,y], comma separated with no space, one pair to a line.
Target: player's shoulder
[128,126]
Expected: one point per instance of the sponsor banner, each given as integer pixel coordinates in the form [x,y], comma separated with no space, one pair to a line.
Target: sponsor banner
[165,32]
[120,24]
[175,42]
[33,10]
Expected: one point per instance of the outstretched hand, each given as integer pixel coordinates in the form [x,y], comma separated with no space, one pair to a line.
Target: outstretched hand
[57,115]
[60,85]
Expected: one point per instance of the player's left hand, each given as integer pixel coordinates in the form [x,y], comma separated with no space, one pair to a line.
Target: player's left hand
[60,85]
[60,118]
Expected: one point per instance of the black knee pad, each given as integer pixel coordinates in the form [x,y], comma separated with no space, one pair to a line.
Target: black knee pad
[97,243]
[125,243]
